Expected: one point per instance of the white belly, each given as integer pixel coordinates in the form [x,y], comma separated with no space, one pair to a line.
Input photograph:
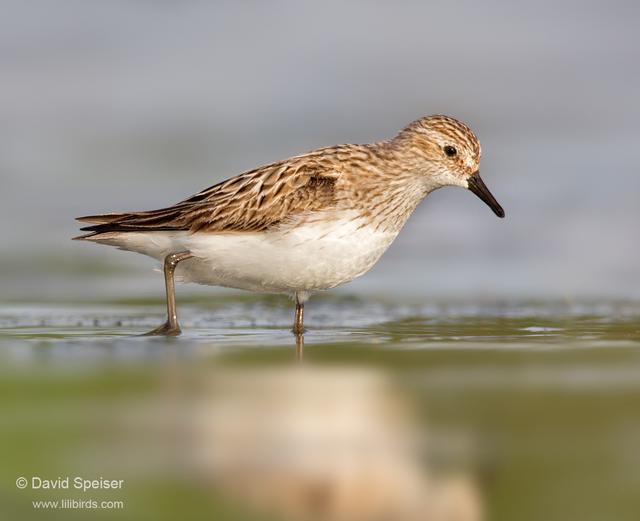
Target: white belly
[313,256]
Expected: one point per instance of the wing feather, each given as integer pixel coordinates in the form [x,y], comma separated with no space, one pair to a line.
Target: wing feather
[253,201]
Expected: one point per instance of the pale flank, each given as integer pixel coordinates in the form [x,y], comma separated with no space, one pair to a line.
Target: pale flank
[310,256]
[307,223]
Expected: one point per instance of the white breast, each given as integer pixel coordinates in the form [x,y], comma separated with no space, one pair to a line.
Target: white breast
[312,256]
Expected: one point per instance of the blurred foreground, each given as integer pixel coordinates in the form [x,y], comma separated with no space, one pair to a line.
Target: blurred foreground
[435,412]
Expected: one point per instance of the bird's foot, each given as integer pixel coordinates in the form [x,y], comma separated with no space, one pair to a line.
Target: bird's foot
[165,329]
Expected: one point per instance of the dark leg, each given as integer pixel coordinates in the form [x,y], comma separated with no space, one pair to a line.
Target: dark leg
[298,327]
[298,321]
[171,327]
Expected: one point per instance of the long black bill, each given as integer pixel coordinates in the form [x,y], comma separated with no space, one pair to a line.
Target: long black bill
[477,186]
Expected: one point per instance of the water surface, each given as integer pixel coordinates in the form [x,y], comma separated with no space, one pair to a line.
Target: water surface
[532,406]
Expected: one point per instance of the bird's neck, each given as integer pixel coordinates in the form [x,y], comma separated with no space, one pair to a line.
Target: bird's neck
[393,185]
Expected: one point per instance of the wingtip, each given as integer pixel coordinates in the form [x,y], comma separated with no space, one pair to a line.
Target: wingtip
[99,218]
[85,219]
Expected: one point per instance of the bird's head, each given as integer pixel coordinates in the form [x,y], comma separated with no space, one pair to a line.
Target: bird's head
[446,153]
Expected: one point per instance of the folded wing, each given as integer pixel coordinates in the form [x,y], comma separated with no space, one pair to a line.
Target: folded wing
[250,202]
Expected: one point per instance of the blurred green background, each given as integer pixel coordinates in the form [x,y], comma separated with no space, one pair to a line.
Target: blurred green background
[483,369]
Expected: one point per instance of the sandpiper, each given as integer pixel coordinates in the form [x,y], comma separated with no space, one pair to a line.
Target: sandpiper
[307,223]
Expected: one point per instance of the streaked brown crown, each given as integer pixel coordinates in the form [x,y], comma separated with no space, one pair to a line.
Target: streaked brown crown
[440,129]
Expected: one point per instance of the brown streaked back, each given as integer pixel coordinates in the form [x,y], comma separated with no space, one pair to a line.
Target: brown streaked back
[250,202]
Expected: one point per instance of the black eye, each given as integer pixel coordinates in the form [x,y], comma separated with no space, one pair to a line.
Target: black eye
[450,151]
